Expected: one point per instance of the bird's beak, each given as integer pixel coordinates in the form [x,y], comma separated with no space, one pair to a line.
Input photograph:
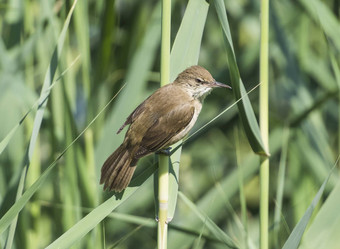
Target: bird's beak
[219,84]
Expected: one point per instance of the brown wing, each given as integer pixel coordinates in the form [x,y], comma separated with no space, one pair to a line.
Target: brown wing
[140,109]
[165,128]
[132,116]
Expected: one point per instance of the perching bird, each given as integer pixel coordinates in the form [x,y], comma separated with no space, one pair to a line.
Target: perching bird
[161,120]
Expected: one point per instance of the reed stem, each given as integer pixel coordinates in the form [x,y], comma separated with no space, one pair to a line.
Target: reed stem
[163,171]
[264,167]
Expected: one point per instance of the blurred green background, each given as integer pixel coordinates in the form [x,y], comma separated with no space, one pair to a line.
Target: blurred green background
[113,42]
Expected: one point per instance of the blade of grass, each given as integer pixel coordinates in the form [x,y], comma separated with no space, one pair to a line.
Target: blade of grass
[295,237]
[321,14]
[247,115]
[87,175]
[138,220]
[83,38]
[214,229]
[198,240]
[7,139]
[280,186]
[125,237]
[69,182]
[336,71]
[243,200]
[324,231]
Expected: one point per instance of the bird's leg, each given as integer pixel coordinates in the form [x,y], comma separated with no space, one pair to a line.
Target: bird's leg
[166,151]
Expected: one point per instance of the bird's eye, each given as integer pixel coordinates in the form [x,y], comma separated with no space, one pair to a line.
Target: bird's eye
[198,80]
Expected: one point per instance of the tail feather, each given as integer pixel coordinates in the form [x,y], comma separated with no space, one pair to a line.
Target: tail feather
[118,169]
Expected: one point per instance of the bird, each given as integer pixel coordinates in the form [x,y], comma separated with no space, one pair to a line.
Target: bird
[160,121]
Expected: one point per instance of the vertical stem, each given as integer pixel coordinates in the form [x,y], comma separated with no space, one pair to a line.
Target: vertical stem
[163,171]
[339,122]
[243,201]
[335,67]
[264,168]
[280,186]
[163,193]
[165,40]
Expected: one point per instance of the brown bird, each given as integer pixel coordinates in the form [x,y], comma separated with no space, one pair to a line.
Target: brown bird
[161,120]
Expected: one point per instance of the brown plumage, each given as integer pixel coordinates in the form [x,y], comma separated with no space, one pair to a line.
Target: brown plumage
[160,121]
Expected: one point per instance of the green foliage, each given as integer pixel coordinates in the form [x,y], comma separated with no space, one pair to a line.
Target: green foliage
[56,128]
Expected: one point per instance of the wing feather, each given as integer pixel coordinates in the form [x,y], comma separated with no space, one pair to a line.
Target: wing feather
[133,116]
[164,129]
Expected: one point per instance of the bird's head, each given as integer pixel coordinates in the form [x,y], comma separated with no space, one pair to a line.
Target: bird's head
[198,81]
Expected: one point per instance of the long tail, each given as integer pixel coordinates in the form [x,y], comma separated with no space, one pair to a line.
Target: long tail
[118,169]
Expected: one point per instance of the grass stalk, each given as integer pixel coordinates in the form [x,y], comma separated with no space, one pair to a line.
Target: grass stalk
[243,201]
[165,42]
[336,70]
[163,171]
[163,197]
[280,186]
[264,167]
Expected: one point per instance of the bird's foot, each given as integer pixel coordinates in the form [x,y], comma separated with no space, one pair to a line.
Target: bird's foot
[166,151]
